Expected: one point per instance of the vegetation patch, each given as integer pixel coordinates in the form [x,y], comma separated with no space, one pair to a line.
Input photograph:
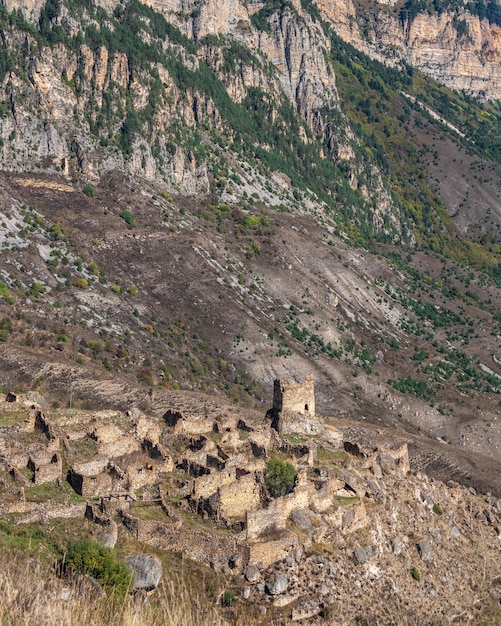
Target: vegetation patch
[279,477]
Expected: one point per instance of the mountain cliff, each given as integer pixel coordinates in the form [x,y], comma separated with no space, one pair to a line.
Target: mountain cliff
[458,43]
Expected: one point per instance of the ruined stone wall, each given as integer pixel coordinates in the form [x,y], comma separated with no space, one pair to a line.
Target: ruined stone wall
[274,517]
[292,397]
[200,546]
[46,470]
[239,497]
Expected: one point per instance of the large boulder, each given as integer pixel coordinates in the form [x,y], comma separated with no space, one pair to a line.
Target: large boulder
[146,570]
[278,585]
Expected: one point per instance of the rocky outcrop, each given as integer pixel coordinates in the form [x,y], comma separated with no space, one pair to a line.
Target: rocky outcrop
[455,47]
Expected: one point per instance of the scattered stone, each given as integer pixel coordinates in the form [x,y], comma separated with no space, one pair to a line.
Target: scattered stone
[302,520]
[246,593]
[361,555]
[252,574]
[324,590]
[397,545]
[236,561]
[277,586]
[260,587]
[284,600]
[306,610]
[146,571]
[89,587]
[425,550]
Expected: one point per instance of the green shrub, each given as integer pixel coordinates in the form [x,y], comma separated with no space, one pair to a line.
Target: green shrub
[128,218]
[85,556]
[89,190]
[5,293]
[228,598]
[437,508]
[415,574]
[81,283]
[279,477]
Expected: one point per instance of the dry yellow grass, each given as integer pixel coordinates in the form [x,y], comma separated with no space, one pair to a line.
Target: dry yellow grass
[31,595]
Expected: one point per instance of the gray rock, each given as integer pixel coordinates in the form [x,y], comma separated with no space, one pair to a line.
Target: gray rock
[397,545]
[277,586]
[289,561]
[260,587]
[324,590]
[361,555]
[302,520]
[373,487]
[425,550]
[146,571]
[252,574]
[246,593]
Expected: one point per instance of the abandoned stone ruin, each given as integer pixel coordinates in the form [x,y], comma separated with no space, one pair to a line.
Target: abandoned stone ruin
[293,410]
[292,397]
[151,476]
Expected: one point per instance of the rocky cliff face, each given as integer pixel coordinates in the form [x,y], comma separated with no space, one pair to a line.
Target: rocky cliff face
[75,104]
[455,47]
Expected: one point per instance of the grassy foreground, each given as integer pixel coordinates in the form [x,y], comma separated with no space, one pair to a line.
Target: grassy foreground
[30,594]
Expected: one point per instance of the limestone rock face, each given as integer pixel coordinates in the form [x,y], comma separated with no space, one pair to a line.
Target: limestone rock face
[465,58]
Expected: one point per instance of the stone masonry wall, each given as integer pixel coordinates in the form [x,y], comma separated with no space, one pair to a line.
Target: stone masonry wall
[292,397]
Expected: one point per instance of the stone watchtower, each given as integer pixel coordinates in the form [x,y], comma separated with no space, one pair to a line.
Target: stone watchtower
[292,397]
[294,407]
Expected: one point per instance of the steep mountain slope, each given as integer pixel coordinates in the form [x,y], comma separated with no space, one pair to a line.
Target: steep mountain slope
[206,197]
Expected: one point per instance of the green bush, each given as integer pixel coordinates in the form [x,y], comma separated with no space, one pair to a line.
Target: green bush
[85,556]
[228,598]
[129,218]
[437,508]
[415,574]
[89,190]
[279,477]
